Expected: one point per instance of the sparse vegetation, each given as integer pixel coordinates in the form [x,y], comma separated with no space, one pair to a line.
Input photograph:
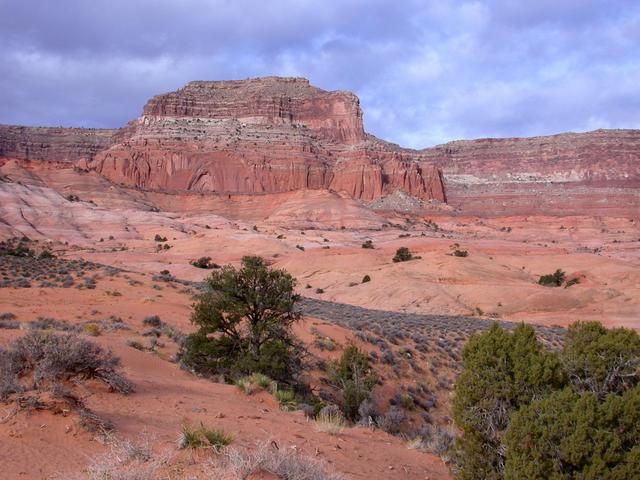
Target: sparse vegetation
[204,262]
[572,282]
[51,357]
[367,244]
[460,253]
[159,238]
[554,279]
[366,279]
[403,254]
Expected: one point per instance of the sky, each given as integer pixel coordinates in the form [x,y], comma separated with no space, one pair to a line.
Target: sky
[426,72]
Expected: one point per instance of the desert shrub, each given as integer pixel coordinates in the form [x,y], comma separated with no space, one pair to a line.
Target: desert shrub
[281,462]
[13,249]
[352,375]
[50,357]
[325,343]
[403,254]
[204,262]
[91,329]
[460,253]
[72,198]
[436,440]
[568,435]
[152,321]
[392,421]
[135,344]
[319,291]
[554,279]
[46,254]
[251,383]
[367,244]
[251,311]
[368,413]
[159,238]
[9,324]
[572,282]
[308,410]
[366,279]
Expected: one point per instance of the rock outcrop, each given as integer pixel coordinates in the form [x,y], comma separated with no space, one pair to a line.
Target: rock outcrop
[263,135]
[275,135]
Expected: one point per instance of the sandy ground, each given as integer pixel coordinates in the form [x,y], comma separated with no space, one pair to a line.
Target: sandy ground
[167,396]
[317,236]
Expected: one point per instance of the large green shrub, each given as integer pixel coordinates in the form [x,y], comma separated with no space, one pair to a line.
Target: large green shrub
[245,318]
[601,361]
[502,371]
[529,413]
[568,435]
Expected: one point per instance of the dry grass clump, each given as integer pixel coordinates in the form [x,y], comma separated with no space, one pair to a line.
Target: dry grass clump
[125,460]
[203,437]
[268,458]
[330,421]
[255,382]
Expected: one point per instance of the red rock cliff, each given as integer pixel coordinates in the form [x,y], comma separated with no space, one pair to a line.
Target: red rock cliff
[262,135]
[53,144]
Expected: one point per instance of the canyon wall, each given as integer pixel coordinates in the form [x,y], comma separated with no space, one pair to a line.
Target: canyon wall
[53,144]
[594,172]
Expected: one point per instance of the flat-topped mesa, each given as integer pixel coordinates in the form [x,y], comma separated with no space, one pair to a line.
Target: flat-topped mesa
[333,116]
[264,135]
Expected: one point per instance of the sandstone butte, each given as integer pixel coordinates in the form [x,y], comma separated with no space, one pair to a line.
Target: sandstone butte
[273,134]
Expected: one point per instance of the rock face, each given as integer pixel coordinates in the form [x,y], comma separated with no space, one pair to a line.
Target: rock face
[264,135]
[53,144]
[275,135]
[595,172]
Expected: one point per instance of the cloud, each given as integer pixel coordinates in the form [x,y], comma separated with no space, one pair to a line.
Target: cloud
[426,71]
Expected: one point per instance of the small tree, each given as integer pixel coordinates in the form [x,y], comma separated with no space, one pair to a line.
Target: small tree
[352,375]
[245,317]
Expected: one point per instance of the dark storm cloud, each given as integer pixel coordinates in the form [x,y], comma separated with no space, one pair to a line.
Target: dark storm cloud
[426,71]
